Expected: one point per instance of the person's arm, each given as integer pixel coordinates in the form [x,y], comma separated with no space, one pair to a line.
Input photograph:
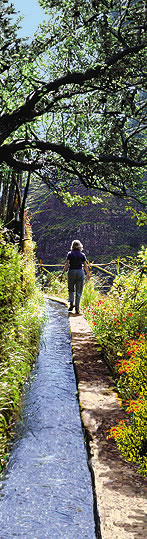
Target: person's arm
[87,270]
[66,266]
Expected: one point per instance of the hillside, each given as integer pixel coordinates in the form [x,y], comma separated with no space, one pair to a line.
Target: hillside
[105,229]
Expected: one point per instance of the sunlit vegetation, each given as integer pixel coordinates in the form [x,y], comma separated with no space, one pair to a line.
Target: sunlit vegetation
[21,307]
[54,286]
[118,321]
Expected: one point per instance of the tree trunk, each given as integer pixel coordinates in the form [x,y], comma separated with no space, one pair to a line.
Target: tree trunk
[22,224]
[10,205]
[4,185]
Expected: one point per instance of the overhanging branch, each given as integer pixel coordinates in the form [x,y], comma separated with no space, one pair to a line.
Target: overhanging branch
[27,112]
[9,150]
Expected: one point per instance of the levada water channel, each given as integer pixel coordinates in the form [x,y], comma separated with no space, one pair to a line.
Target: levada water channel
[46,491]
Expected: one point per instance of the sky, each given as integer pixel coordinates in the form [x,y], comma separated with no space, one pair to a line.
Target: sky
[33,15]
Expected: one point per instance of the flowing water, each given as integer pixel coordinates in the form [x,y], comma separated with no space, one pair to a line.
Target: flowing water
[46,491]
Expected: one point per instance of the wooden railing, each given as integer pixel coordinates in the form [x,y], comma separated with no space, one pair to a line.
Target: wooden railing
[100,267]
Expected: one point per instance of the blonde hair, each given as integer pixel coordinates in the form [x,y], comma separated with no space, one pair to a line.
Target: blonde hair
[76,245]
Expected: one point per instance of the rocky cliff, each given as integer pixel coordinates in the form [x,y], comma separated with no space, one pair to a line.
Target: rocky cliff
[106,229]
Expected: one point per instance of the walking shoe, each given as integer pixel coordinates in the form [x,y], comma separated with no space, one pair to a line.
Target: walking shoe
[77,311]
[70,307]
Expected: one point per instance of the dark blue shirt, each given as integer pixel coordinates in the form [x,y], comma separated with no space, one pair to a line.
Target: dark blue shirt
[76,259]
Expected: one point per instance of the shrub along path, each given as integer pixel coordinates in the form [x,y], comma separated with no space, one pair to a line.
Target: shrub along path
[119,490]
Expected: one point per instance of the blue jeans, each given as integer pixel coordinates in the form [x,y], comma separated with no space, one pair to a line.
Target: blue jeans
[75,281]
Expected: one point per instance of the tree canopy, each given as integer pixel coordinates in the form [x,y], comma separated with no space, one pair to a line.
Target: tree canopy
[72,103]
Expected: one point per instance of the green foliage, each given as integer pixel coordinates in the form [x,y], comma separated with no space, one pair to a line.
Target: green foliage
[131,438]
[70,199]
[11,265]
[141,216]
[55,286]
[73,100]
[132,368]
[119,322]
[21,306]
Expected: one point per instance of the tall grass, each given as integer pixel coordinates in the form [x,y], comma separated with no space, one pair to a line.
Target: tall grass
[56,287]
[21,307]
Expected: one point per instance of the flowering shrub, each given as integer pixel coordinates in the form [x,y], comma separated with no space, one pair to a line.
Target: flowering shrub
[118,321]
[131,436]
[132,368]
[112,324]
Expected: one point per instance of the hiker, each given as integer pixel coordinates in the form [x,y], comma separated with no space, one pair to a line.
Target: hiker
[75,262]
